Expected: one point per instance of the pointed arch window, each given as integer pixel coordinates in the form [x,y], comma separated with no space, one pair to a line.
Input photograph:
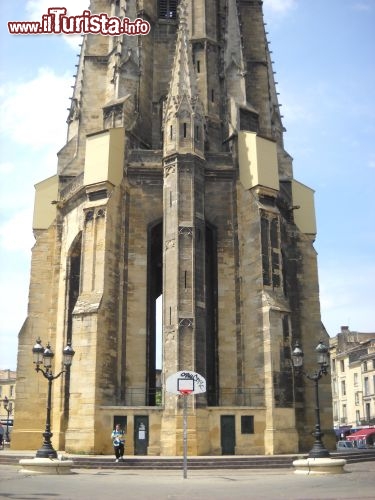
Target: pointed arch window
[154,356]
[73,282]
[270,241]
[168,9]
[72,293]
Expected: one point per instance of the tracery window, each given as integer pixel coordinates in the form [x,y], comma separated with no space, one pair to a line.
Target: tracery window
[168,9]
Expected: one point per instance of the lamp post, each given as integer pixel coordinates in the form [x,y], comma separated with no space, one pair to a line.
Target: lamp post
[318,450]
[8,407]
[44,356]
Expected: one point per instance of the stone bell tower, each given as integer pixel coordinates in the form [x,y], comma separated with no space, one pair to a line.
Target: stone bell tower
[174,185]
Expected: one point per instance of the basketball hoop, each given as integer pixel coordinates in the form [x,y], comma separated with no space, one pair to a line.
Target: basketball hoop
[185,392]
[182,384]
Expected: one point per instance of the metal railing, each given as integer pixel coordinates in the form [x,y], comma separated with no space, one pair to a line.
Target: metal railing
[140,396]
[242,396]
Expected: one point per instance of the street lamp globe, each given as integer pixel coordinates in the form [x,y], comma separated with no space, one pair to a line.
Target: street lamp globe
[38,351]
[297,356]
[322,355]
[68,354]
[48,357]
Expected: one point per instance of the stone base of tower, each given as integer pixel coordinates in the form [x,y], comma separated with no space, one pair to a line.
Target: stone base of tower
[27,439]
[171,436]
[280,436]
[278,442]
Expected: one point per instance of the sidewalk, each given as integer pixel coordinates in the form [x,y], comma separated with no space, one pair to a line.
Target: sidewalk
[357,483]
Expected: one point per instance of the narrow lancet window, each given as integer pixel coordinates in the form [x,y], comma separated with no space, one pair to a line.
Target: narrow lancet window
[270,242]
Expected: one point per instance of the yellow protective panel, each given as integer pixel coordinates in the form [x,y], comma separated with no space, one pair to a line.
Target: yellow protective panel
[104,158]
[46,193]
[257,161]
[304,207]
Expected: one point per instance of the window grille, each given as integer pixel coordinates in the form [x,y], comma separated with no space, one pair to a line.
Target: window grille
[168,9]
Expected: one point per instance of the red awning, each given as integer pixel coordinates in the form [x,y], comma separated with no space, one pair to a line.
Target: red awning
[360,434]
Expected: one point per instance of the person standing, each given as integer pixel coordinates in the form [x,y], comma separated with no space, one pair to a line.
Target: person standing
[118,441]
[1,434]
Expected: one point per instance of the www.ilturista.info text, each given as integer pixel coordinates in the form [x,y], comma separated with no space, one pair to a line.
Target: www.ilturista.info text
[56,22]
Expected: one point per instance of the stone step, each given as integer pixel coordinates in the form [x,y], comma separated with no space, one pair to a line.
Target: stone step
[173,463]
[107,462]
[155,464]
[356,457]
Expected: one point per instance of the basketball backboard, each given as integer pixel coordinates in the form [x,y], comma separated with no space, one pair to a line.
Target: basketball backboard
[184,381]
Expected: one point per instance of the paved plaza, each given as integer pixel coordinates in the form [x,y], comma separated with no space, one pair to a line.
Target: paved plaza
[357,483]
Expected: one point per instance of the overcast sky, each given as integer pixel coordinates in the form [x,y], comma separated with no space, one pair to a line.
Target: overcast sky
[323,53]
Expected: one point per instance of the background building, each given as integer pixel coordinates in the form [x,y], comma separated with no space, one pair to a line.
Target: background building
[174,186]
[353,380]
[7,392]
[7,387]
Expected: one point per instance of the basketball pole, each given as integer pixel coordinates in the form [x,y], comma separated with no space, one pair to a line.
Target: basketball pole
[185,394]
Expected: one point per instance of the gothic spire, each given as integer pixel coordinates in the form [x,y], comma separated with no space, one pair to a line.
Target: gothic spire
[183,113]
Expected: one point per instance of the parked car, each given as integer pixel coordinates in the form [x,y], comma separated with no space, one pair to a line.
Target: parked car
[345,446]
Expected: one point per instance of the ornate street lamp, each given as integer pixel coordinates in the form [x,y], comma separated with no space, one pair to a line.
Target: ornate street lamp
[44,356]
[318,450]
[8,407]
